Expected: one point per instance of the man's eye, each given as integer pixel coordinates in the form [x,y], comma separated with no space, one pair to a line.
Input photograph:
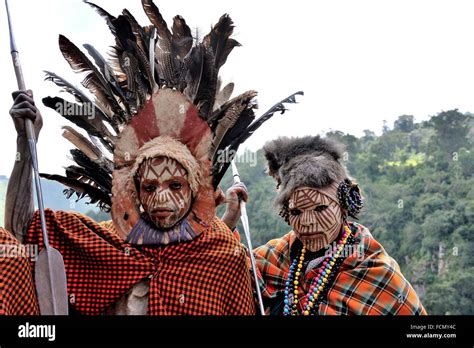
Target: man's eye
[149,188]
[320,208]
[295,212]
[176,186]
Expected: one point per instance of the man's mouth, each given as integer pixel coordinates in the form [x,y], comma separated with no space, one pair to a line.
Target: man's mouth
[162,212]
[311,235]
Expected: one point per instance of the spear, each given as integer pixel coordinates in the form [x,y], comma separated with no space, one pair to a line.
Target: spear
[50,273]
[245,222]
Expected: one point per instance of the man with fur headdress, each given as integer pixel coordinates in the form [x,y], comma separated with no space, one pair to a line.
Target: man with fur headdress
[326,264]
[166,123]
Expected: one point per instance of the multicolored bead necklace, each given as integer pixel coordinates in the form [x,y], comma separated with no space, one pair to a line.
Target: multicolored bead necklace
[320,284]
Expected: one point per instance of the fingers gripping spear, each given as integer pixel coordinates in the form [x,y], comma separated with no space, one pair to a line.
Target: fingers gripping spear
[50,274]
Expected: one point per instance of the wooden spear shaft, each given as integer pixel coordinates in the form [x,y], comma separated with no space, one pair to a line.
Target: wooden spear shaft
[50,274]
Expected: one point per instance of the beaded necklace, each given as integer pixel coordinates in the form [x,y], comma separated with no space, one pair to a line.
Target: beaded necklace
[321,283]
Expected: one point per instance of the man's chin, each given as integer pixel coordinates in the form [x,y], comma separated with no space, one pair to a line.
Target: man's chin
[314,245]
[165,225]
[311,236]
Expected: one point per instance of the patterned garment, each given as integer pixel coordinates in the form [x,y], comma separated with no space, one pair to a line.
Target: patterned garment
[369,281]
[17,290]
[205,276]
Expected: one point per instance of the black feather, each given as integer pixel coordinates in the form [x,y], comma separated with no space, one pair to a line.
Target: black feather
[144,67]
[141,38]
[238,115]
[219,41]
[83,117]
[181,40]
[220,167]
[68,87]
[104,14]
[279,107]
[108,73]
[204,99]
[82,189]
[194,64]
[92,170]
[223,154]
[94,81]
[166,66]
[156,19]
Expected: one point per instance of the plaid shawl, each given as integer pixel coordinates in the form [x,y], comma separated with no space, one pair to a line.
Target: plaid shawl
[369,281]
[208,275]
[17,290]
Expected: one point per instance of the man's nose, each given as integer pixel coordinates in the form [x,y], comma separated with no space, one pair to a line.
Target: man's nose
[308,218]
[162,197]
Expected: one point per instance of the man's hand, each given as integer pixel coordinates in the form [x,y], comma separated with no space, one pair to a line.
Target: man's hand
[23,108]
[233,196]
[19,206]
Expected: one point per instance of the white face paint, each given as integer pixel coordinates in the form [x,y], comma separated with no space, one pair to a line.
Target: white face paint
[315,217]
[164,191]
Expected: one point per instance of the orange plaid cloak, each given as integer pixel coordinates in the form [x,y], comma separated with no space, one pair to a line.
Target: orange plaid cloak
[369,281]
[206,276]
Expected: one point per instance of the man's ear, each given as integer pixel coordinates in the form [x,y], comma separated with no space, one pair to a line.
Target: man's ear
[219,196]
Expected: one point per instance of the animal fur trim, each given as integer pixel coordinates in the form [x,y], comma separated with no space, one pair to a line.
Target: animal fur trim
[165,146]
[309,161]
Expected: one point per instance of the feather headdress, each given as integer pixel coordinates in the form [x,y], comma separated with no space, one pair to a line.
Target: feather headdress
[156,82]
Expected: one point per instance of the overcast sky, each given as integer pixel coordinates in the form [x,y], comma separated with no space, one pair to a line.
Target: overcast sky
[358,62]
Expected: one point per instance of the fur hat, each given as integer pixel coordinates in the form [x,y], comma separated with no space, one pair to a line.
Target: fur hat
[166,146]
[309,161]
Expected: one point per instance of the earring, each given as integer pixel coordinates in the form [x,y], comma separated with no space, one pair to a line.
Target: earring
[285,213]
[350,197]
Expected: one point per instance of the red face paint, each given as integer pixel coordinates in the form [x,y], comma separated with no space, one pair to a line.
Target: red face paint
[315,217]
[164,191]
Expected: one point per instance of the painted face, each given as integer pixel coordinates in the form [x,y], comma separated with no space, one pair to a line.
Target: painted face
[164,191]
[316,217]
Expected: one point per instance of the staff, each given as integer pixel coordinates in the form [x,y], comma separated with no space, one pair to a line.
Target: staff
[50,274]
[245,222]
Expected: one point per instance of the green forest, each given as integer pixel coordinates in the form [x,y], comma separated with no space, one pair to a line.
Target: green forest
[419,202]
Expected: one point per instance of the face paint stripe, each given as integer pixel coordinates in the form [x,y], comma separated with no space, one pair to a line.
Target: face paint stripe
[325,223]
[307,200]
[309,221]
[174,199]
[328,218]
[330,214]
[151,173]
[179,194]
[163,169]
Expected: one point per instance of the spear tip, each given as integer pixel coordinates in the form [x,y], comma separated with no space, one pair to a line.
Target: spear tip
[10,29]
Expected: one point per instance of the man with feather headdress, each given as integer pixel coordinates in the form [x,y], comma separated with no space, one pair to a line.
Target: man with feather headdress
[159,112]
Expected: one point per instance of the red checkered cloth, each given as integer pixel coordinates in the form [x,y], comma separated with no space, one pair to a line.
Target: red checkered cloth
[369,281]
[206,276]
[17,290]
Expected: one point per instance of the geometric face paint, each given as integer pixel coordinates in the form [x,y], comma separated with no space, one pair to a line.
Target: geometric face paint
[315,217]
[164,191]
